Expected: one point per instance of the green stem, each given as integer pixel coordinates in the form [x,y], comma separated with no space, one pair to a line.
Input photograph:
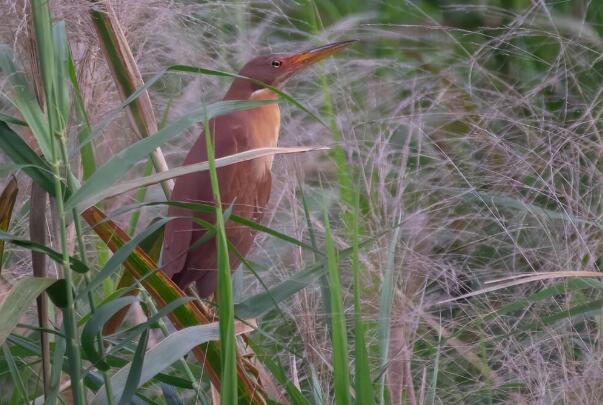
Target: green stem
[73,349]
[228,389]
[164,330]
[82,253]
[140,195]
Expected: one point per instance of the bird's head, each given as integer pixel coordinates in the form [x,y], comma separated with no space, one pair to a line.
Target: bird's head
[276,69]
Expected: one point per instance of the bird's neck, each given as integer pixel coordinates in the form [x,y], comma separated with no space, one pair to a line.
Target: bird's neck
[240,89]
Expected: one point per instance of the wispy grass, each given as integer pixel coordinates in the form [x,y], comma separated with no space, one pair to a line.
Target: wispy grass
[475,126]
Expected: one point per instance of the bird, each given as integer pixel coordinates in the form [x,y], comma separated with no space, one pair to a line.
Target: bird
[244,186]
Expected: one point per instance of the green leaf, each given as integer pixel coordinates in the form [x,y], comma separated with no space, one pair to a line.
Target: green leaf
[25,101]
[277,371]
[119,257]
[563,287]
[160,357]
[58,293]
[17,301]
[386,299]
[75,264]
[212,72]
[209,209]
[263,302]
[20,153]
[14,372]
[228,389]
[133,380]
[55,373]
[94,327]
[9,119]
[61,75]
[86,148]
[97,195]
[116,167]
[338,328]
[574,311]
[362,375]
[170,307]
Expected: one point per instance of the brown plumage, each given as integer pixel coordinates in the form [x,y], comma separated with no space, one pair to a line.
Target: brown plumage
[246,185]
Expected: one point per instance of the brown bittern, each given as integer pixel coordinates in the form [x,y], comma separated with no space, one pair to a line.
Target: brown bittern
[246,185]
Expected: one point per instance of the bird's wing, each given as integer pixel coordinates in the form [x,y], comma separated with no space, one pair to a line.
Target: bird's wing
[178,232]
[196,188]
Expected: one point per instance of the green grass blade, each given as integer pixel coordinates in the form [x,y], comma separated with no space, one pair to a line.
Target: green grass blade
[119,257]
[17,300]
[14,373]
[161,356]
[385,309]
[363,382]
[87,149]
[93,328]
[97,194]
[58,357]
[61,89]
[25,101]
[436,369]
[20,153]
[277,371]
[140,196]
[338,329]
[133,380]
[228,389]
[77,265]
[208,209]
[212,72]
[9,119]
[560,288]
[111,171]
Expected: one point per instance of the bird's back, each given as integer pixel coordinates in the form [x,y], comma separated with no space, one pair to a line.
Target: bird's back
[245,186]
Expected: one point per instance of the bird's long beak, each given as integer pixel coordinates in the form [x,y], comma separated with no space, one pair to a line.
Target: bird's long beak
[296,62]
[300,60]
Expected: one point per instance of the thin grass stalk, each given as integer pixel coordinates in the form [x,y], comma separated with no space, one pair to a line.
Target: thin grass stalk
[164,330]
[37,233]
[73,351]
[14,372]
[228,389]
[45,49]
[140,196]
[363,381]
[385,309]
[83,257]
[338,328]
[344,179]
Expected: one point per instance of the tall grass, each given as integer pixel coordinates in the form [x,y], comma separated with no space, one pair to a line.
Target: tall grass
[470,132]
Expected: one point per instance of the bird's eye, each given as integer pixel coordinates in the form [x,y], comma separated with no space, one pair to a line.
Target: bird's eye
[276,63]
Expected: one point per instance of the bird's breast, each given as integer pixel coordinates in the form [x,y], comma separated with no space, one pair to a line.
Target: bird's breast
[264,126]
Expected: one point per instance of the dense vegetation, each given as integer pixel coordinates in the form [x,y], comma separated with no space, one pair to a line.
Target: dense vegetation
[446,249]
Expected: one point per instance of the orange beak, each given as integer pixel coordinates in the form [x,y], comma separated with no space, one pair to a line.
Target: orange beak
[297,62]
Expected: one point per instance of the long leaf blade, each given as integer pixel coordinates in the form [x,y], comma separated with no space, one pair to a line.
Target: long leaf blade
[17,300]
[111,171]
